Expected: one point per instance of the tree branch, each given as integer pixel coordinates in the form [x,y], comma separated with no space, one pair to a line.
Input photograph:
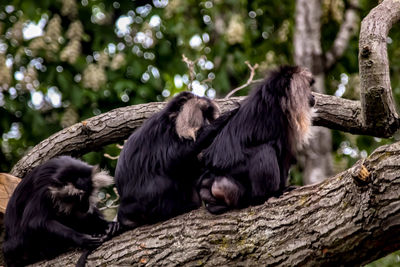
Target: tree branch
[376,92]
[116,125]
[347,29]
[341,221]
[249,81]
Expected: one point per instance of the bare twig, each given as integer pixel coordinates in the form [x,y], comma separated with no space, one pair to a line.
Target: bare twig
[110,157]
[114,157]
[110,207]
[208,80]
[119,146]
[190,64]
[249,81]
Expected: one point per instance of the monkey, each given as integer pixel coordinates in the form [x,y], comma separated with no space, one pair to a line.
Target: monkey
[249,159]
[52,209]
[158,167]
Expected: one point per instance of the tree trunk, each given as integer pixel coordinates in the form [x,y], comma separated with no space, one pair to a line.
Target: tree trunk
[316,157]
[342,221]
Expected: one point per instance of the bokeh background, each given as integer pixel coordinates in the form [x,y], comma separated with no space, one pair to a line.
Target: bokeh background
[63,61]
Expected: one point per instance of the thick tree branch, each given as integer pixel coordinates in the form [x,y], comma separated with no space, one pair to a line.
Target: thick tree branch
[376,92]
[118,124]
[347,29]
[338,222]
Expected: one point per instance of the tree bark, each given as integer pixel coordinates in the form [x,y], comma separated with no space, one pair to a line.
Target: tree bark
[343,221]
[376,92]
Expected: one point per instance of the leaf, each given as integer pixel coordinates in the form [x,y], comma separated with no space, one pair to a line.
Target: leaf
[8,183]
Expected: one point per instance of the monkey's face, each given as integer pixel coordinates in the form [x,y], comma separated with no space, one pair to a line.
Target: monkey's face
[311,98]
[194,113]
[77,189]
[299,104]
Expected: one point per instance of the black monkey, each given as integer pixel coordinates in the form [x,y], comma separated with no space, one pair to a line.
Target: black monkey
[158,167]
[249,159]
[52,209]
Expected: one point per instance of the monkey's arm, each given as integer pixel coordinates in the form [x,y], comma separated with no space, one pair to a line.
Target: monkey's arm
[209,132]
[58,229]
[264,174]
[205,137]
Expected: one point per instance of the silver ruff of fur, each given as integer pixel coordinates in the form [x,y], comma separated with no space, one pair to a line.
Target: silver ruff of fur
[190,118]
[57,194]
[99,179]
[298,109]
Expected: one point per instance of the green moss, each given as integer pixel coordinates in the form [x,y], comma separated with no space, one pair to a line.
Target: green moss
[303,200]
[391,260]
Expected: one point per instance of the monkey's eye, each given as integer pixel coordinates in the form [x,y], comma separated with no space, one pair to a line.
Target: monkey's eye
[83,183]
[312,82]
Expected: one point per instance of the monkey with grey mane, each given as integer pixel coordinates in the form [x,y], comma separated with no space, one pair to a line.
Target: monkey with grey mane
[53,209]
[249,160]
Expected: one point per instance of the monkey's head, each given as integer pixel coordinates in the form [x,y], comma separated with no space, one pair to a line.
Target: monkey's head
[293,85]
[76,186]
[191,113]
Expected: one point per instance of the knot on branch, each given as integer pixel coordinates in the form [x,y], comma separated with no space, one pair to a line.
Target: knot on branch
[85,128]
[362,174]
[365,52]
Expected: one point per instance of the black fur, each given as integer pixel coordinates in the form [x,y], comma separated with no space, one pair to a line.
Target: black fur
[41,224]
[157,169]
[249,159]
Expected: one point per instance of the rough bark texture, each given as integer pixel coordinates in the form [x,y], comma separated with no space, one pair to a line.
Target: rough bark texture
[316,159]
[376,92]
[118,124]
[338,222]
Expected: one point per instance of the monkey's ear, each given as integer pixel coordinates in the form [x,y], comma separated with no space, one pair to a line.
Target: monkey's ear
[216,111]
[189,120]
[101,178]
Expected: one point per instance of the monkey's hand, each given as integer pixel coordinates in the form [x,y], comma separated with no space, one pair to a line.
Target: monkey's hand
[89,241]
[290,188]
[212,204]
[112,229]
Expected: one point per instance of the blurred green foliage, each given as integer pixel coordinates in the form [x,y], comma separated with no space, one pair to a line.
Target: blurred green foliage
[97,55]
[128,53]
[392,260]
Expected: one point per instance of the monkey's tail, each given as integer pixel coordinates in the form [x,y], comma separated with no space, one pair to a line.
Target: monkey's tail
[85,254]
